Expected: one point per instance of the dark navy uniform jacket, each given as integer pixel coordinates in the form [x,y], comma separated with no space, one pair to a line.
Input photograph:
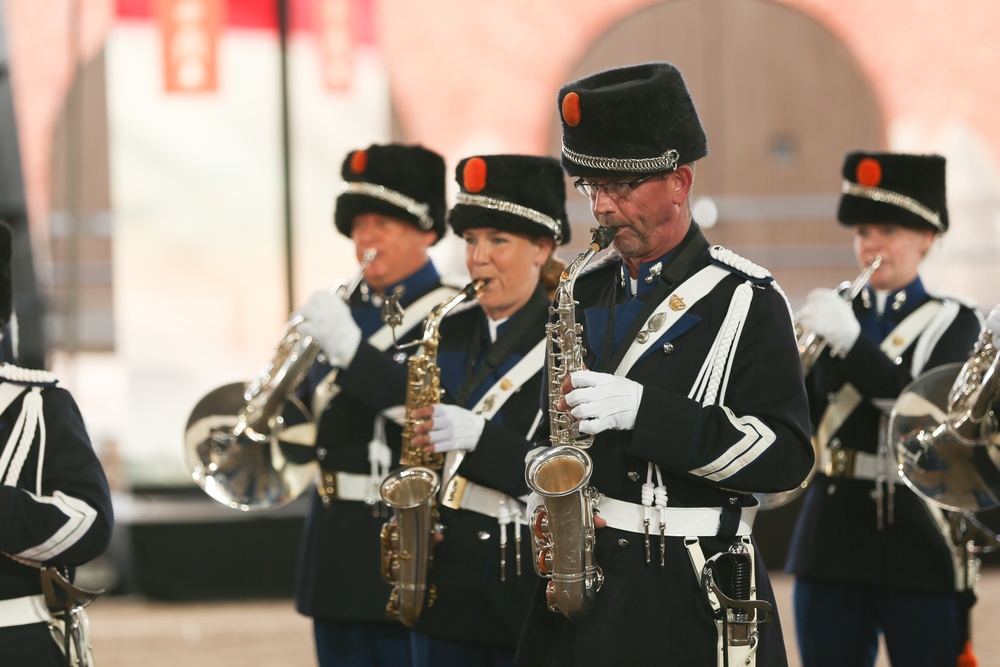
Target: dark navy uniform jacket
[473,605]
[66,524]
[645,614]
[836,538]
[339,575]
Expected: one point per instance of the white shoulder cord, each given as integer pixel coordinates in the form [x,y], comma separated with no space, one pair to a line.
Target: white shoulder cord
[27,423]
[729,335]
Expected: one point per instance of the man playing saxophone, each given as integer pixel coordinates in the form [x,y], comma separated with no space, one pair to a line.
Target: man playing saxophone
[393,203]
[869,555]
[692,388]
[511,212]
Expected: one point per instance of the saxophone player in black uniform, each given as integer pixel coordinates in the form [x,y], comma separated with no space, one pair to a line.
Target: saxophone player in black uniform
[869,555]
[511,211]
[693,389]
[393,204]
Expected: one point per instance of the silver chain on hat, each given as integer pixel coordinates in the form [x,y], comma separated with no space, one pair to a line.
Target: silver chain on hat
[896,199]
[408,204]
[531,214]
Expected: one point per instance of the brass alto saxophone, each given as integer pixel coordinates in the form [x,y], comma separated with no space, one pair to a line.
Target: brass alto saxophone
[563,534]
[407,538]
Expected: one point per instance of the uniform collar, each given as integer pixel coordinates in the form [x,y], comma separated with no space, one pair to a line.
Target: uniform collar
[649,275]
[414,286]
[897,303]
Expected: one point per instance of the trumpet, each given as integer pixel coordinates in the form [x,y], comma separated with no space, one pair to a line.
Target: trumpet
[810,344]
[231,446]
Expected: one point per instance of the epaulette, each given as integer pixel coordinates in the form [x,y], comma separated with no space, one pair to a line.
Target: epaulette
[740,265]
[960,299]
[27,377]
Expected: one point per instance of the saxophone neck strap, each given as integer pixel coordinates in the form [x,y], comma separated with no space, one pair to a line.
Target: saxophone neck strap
[524,324]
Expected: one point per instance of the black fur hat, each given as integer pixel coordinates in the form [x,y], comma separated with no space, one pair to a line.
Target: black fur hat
[404,182]
[6,284]
[629,120]
[515,193]
[894,188]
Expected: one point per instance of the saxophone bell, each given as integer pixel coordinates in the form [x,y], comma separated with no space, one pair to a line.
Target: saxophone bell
[407,540]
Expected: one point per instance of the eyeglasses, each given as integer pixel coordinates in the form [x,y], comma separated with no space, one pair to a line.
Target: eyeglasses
[619,190]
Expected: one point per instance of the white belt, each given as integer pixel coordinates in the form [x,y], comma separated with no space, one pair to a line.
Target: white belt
[23,611]
[336,485]
[679,521]
[461,494]
[847,463]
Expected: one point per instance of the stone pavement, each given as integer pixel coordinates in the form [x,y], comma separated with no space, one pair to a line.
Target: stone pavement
[128,632]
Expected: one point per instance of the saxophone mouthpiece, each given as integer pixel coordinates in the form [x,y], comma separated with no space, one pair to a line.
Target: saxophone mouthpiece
[603,236]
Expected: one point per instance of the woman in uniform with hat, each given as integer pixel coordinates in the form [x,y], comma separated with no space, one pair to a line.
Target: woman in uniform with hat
[511,212]
[869,555]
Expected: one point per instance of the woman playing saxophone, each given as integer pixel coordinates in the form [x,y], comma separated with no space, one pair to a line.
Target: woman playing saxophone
[511,214]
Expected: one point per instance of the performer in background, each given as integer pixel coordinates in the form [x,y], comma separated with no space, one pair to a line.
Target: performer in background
[694,391]
[869,555]
[511,211]
[394,204]
[55,506]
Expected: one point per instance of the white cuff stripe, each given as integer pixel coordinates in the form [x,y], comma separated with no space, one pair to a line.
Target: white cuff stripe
[80,517]
[757,437]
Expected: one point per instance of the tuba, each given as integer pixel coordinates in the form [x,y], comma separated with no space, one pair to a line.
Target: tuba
[231,443]
[943,431]
[407,538]
[563,526]
[811,345]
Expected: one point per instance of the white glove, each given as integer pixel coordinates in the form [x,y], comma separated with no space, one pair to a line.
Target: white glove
[832,318]
[993,324]
[602,401]
[455,428]
[328,320]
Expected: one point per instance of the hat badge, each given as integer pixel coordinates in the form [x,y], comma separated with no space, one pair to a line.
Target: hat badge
[474,174]
[359,161]
[571,109]
[869,172]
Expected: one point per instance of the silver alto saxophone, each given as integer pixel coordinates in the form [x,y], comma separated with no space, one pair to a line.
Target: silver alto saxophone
[408,538]
[563,534]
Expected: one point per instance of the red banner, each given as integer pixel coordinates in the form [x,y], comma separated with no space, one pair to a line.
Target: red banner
[336,42]
[190,36]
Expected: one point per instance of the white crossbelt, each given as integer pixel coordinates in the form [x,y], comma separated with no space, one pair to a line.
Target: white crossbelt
[23,611]
[679,521]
